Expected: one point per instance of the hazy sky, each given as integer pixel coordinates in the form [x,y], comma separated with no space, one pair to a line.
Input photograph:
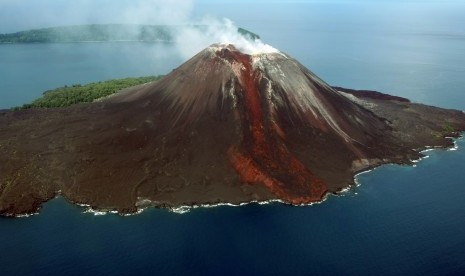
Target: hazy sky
[17,15]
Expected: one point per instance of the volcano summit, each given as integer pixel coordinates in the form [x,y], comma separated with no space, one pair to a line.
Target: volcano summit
[224,127]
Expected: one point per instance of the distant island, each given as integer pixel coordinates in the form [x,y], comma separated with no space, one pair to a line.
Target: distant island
[103,33]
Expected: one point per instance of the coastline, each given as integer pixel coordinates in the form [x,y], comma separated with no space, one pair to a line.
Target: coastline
[411,162]
[144,204]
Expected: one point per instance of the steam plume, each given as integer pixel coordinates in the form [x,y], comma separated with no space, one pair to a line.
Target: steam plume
[190,40]
[32,14]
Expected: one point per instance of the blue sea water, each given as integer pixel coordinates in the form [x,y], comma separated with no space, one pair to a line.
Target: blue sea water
[401,220]
[28,70]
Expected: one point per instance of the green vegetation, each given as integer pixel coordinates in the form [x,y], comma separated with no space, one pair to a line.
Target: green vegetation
[69,95]
[101,33]
[448,129]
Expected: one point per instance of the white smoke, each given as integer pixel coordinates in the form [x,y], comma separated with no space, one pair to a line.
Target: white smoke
[191,39]
[17,15]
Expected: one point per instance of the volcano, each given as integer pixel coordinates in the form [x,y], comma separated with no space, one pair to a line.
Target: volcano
[224,127]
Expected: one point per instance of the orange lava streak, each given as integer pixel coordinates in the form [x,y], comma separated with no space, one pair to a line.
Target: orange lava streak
[265,160]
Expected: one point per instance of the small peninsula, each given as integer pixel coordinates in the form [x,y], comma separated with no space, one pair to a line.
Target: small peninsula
[77,93]
[224,127]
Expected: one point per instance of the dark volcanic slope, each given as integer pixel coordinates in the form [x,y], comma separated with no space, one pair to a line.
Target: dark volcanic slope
[223,127]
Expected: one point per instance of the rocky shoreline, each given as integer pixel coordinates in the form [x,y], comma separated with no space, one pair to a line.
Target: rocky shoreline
[183,209]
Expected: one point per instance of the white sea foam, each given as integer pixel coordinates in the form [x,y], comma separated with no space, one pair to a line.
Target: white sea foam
[25,215]
[139,211]
[421,158]
[363,172]
[455,147]
[344,190]
[95,212]
[187,208]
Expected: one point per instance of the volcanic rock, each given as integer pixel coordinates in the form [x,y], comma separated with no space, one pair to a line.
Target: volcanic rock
[224,127]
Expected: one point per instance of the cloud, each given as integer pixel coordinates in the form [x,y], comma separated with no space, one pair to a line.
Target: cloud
[166,12]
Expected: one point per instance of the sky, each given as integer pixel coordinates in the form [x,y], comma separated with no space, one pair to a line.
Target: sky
[17,15]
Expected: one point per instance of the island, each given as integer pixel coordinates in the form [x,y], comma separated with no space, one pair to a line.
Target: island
[225,127]
[105,33]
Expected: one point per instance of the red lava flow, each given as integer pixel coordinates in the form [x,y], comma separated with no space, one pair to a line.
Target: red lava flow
[261,158]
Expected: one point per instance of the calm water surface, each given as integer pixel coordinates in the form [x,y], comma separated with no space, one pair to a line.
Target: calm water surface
[27,70]
[401,220]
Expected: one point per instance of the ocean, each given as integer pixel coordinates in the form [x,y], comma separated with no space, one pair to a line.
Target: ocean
[399,220]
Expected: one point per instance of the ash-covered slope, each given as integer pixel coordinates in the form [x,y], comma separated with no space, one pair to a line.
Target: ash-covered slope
[273,103]
[219,79]
[267,99]
[223,127]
